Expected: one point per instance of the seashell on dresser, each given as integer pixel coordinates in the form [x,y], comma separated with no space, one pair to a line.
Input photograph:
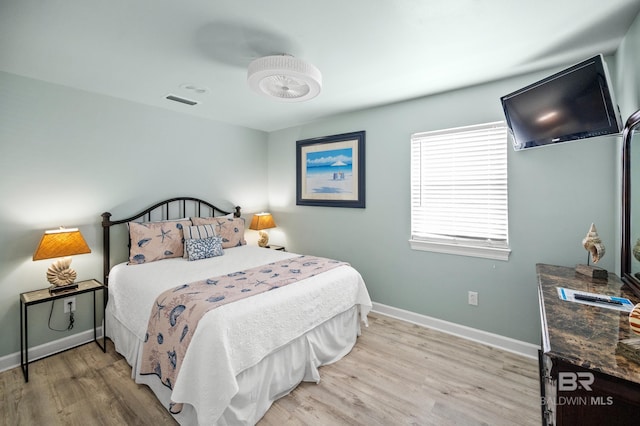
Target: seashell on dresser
[636,250]
[634,319]
[593,244]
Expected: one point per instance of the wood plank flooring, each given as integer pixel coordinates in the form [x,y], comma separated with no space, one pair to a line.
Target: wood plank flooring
[397,374]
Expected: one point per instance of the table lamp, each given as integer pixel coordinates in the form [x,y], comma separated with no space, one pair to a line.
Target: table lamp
[61,242]
[260,222]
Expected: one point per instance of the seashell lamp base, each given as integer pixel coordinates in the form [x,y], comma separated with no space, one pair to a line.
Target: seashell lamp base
[263,240]
[61,276]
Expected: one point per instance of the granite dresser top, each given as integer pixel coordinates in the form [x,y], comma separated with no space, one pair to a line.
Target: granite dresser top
[580,334]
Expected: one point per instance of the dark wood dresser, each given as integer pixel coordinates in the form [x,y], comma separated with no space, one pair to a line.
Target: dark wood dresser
[583,380]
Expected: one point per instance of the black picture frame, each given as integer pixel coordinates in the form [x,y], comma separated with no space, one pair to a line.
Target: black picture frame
[330,171]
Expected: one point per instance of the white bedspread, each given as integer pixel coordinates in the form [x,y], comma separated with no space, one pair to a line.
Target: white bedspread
[226,342]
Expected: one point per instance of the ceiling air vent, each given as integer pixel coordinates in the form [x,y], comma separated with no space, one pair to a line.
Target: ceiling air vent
[181,100]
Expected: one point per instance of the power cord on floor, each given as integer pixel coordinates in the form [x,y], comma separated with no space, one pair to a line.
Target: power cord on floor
[71,319]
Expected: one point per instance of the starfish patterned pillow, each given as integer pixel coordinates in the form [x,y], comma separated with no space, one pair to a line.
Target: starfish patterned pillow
[153,241]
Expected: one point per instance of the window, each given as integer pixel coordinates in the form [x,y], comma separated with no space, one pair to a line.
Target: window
[459,191]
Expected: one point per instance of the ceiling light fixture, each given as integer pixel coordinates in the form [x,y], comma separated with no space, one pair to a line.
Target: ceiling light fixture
[284,78]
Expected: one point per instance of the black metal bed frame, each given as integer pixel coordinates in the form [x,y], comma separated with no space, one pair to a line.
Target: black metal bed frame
[163,208]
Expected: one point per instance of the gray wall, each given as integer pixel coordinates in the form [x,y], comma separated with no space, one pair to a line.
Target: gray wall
[66,156]
[555,193]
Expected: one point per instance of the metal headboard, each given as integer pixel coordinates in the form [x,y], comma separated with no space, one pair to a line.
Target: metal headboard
[173,208]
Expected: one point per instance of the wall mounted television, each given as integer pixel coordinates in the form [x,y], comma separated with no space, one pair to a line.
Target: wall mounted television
[575,103]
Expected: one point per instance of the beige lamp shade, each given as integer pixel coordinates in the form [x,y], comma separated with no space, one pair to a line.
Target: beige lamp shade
[61,243]
[260,222]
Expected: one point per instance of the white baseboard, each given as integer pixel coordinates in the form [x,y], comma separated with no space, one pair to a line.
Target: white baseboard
[529,350]
[501,342]
[10,361]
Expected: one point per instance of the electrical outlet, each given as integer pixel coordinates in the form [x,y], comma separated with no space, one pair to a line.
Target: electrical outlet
[67,308]
[473,298]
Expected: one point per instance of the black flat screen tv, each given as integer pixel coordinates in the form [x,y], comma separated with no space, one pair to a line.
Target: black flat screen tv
[575,103]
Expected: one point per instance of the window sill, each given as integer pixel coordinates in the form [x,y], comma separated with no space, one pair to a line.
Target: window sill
[462,250]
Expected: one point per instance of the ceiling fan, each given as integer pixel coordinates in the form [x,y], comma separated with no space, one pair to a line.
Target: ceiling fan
[285,78]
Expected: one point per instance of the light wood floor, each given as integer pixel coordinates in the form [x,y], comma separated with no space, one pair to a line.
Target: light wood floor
[397,374]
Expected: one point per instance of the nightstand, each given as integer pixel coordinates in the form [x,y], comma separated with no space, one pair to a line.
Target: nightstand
[275,247]
[41,296]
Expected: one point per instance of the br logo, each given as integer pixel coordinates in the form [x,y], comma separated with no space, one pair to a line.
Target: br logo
[570,381]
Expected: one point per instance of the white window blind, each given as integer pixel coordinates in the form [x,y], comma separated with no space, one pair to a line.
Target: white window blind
[459,191]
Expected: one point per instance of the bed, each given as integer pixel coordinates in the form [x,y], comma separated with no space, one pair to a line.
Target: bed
[243,354]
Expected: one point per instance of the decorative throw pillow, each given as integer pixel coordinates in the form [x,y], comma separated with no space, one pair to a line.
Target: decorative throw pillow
[203,248]
[153,241]
[231,229]
[197,233]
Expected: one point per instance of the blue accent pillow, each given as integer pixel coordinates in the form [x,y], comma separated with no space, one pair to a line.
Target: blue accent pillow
[203,248]
[198,232]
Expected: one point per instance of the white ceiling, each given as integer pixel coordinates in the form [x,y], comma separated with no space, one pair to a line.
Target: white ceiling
[370,52]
